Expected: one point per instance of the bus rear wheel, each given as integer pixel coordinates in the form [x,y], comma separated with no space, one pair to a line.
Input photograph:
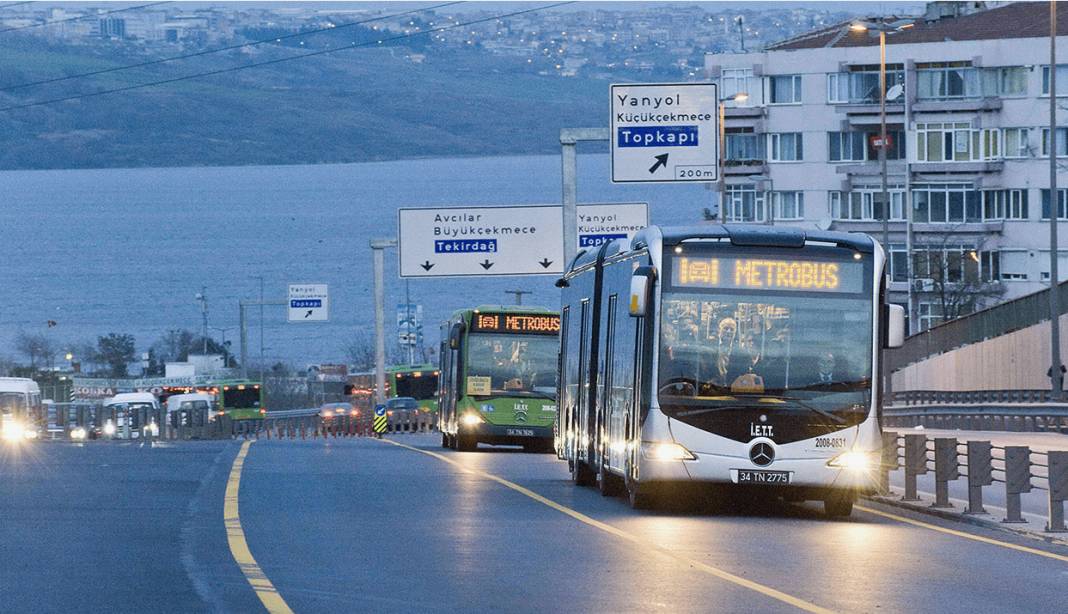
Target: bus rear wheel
[444,440]
[581,474]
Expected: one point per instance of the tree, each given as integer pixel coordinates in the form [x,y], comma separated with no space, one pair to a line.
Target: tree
[177,344]
[36,347]
[361,353]
[85,353]
[116,351]
[953,277]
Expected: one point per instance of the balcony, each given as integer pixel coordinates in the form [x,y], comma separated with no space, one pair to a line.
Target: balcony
[944,168]
[745,167]
[744,112]
[956,105]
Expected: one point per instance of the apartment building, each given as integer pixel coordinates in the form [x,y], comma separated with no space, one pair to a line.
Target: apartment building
[968,154]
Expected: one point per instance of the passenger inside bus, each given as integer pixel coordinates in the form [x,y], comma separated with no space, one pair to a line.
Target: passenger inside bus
[515,365]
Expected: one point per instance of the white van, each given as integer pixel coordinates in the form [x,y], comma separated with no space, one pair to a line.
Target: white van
[129,422]
[182,409]
[20,408]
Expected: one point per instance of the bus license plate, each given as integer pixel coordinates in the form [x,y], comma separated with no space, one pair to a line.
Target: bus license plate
[746,476]
[521,432]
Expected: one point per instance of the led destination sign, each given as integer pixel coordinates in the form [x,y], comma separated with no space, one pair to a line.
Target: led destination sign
[515,323]
[767,274]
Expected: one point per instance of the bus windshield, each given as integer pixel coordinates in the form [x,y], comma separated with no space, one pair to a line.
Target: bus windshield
[513,365]
[779,352]
[420,388]
[249,398]
[13,403]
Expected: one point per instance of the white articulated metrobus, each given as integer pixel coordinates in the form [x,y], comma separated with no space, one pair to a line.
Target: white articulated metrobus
[723,354]
[21,411]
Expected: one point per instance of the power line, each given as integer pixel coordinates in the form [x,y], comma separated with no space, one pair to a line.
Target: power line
[221,71]
[80,17]
[274,39]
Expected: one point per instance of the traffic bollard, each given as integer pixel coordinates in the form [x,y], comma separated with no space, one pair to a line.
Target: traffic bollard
[888,462]
[915,464]
[980,474]
[1058,489]
[946,469]
[1017,480]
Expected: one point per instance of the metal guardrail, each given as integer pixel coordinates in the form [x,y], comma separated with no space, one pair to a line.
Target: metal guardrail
[965,397]
[979,417]
[313,423]
[1017,468]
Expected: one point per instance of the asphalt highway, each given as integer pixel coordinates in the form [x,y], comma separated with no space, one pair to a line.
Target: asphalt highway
[362,525]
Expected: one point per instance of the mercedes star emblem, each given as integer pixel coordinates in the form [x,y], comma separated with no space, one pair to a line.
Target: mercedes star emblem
[762,454]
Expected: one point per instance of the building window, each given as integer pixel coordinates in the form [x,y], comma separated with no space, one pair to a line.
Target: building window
[744,146]
[861,84]
[785,147]
[856,146]
[1004,204]
[1005,81]
[956,264]
[946,81]
[788,205]
[1062,142]
[1062,193]
[744,204]
[945,204]
[735,81]
[899,262]
[1015,143]
[930,314]
[865,204]
[784,89]
[956,142]
[1062,80]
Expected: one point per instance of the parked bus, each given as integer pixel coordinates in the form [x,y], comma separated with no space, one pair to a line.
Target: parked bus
[498,377]
[730,355]
[419,382]
[21,412]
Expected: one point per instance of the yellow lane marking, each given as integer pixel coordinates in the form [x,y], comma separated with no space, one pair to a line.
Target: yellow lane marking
[630,537]
[965,535]
[235,536]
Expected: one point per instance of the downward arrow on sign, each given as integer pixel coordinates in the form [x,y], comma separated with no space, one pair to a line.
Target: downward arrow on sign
[545,262]
[427,265]
[486,264]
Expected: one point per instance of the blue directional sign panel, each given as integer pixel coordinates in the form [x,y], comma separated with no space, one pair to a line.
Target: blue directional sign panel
[477,241]
[308,303]
[380,410]
[603,223]
[665,133]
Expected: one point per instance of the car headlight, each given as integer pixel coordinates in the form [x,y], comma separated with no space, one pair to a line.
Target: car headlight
[29,434]
[109,428]
[666,451]
[471,419]
[855,460]
[78,433]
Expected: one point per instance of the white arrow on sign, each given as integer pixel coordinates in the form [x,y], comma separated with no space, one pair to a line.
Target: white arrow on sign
[466,241]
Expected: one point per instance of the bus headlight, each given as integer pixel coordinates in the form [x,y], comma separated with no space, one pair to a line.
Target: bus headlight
[857,461]
[472,419]
[666,451]
[78,434]
[12,431]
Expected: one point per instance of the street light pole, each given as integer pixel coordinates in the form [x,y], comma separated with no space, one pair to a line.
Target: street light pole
[882,141]
[1055,375]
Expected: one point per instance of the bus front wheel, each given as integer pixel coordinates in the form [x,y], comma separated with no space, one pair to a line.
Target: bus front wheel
[640,498]
[838,504]
[466,443]
[444,440]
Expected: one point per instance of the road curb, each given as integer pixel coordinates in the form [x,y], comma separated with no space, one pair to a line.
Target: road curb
[894,500]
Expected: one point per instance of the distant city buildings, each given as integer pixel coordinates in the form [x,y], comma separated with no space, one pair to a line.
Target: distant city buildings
[968,157]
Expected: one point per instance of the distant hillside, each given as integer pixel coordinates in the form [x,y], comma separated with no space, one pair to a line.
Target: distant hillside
[358,105]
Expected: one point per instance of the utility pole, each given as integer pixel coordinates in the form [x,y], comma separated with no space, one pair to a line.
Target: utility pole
[202,298]
[260,277]
[1055,375]
[408,318]
[378,246]
[518,295]
[226,353]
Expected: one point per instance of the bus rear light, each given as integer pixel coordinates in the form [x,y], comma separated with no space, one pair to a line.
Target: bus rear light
[263,411]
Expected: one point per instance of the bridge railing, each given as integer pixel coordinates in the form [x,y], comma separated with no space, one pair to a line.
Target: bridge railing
[983,410]
[1017,469]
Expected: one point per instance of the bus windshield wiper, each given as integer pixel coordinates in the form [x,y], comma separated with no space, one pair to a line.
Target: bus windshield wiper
[751,401]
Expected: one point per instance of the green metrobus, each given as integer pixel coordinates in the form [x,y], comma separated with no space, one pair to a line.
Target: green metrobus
[239,399]
[498,377]
[419,382]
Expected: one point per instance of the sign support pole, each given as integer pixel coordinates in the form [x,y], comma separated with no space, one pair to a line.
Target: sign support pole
[243,323]
[378,246]
[569,138]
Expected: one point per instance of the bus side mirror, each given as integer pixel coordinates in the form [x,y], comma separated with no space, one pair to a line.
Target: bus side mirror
[640,285]
[454,335]
[895,326]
